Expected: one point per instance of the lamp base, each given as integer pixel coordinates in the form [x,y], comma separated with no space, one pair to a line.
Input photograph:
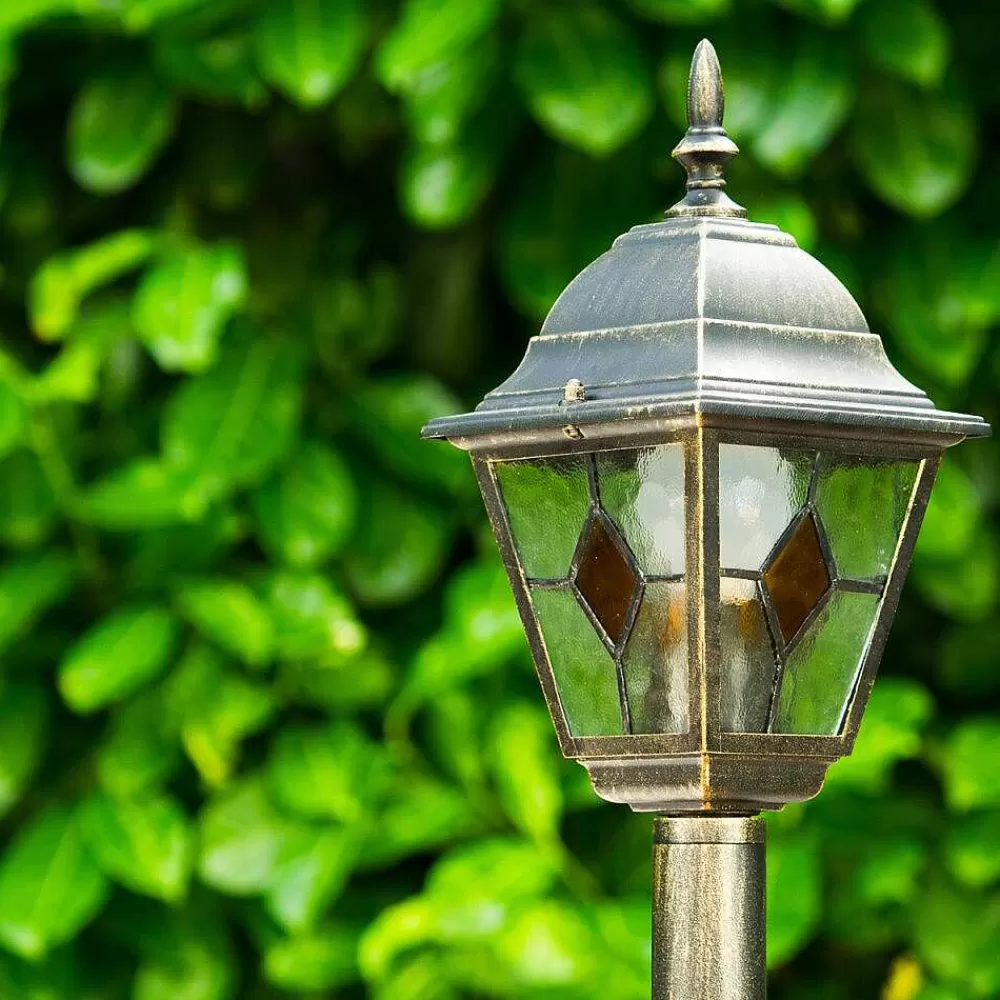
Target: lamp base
[709,932]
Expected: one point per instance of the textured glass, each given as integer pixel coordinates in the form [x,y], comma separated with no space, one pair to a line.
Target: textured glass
[584,672]
[655,662]
[820,672]
[749,667]
[863,503]
[547,502]
[797,577]
[606,579]
[643,493]
[760,492]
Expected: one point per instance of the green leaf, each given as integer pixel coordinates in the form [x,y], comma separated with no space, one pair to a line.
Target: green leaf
[309,48]
[231,426]
[145,843]
[443,97]
[525,764]
[60,285]
[24,718]
[971,781]
[814,99]
[549,945]
[217,67]
[891,730]
[443,185]
[390,413]
[427,32]
[916,150]
[117,656]
[13,414]
[327,772]
[28,508]
[967,588]
[244,840]
[29,586]
[585,77]
[324,959]
[312,620]
[967,662]
[824,11]
[568,210]
[680,11]
[307,512]
[118,125]
[145,493]
[953,517]
[420,814]
[311,877]
[49,887]
[971,848]
[215,709]
[388,568]
[906,37]
[794,897]
[74,374]
[184,301]
[140,752]
[955,935]
[231,615]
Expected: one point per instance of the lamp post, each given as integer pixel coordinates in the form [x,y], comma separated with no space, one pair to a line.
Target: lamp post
[706,481]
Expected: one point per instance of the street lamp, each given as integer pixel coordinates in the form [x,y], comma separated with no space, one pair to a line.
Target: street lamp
[706,481]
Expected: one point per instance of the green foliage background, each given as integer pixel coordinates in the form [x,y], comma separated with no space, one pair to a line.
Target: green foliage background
[267,721]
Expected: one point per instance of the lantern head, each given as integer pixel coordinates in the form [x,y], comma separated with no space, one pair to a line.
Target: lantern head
[706,480]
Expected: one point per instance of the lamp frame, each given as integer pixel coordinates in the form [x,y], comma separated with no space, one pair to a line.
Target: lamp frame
[705,744]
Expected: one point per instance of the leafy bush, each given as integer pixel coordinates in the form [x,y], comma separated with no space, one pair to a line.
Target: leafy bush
[268,723]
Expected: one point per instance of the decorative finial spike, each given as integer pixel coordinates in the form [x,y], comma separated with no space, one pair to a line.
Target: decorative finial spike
[705,148]
[705,98]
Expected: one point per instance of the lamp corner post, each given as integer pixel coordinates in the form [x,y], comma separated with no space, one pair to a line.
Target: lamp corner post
[706,480]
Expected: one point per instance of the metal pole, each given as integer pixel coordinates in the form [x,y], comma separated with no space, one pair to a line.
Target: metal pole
[708,908]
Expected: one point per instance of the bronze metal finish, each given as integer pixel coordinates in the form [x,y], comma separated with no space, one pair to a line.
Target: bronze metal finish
[708,909]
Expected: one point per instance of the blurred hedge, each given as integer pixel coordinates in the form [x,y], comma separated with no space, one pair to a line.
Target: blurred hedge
[267,722]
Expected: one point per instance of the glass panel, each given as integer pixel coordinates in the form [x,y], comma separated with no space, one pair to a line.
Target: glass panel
[547,502]
[862,503]
[643,493]
[585,674]
[819,673]
[749,668]
[655,662]
[606,579]
[797,577]
[760,492]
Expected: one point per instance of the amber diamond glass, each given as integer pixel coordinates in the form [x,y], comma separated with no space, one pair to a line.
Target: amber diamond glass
[606,579]
[797,577]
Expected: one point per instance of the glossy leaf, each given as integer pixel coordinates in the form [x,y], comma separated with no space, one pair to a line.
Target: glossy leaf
[307,512]
[29,585]
[324,959]
[327,772]
[28,507]
[49,886]
[427,32]
[118,125]
[184,301]
[60,285]
[145,843]
[308,48]
[24,726]
[794,897]
[117,656]
[228,613]
[145,493]
[312,619]
[584,77]
[970,780]
[916,150]
[909,38]
[231,426]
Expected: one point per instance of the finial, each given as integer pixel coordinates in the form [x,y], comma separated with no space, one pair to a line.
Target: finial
[705,148]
